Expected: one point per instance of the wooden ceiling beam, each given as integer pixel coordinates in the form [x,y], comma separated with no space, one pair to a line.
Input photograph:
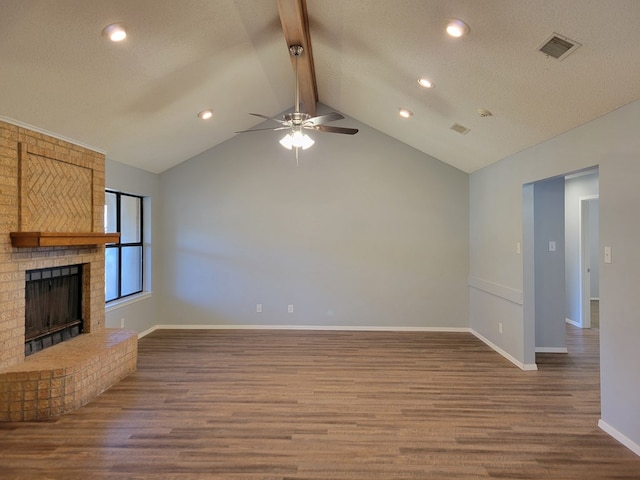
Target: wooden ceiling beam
[295,25]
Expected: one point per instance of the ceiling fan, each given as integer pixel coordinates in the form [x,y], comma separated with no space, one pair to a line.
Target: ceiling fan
[298,121]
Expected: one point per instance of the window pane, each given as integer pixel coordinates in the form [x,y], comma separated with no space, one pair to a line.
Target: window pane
[110,212]
[131,270]
[130,219]
[123,260]
[111,274]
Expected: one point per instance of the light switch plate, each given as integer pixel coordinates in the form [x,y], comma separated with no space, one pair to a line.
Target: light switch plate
[552,246]
[607,254]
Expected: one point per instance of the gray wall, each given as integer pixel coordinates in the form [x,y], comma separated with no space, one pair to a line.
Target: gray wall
[365,232]
[619,299]
[496,223]
[140,314]
[549,265]
[576,188]
[373,232]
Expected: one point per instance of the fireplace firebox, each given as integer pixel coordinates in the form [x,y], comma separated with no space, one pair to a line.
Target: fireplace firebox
[53,300]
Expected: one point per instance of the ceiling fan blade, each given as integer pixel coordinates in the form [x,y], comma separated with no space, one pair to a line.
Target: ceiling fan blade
[262,129]
[268,118]
[329,117]
[332,129]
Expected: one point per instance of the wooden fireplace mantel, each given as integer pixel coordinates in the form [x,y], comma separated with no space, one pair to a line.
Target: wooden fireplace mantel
[61,239]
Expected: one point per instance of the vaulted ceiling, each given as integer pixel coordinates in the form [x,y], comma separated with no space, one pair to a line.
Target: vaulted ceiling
[138,100]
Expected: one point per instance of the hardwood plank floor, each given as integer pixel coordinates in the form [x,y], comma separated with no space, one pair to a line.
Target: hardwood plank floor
[278,405]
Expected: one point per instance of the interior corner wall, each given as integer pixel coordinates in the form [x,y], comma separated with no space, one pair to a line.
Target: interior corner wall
[365,232]
[496,223]
[549,264]
[140,314]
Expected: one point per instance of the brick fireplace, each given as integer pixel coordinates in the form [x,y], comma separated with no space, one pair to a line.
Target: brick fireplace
[49,185]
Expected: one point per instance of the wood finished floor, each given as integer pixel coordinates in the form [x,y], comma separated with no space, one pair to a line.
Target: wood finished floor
[276,405]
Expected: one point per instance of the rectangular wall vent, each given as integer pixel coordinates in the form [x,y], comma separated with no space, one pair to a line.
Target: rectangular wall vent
[558,46]
[456,127]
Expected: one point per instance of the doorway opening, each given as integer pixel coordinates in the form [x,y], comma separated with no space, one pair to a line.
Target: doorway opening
[589,262]
[560,259]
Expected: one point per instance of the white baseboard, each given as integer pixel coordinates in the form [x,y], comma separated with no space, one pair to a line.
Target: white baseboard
[623,439]
[515,361]
[147,332]
[552,350]
[312,327]
[572,322]
[305,327]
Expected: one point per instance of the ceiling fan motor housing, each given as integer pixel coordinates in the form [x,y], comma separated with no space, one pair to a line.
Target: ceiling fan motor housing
[296,118]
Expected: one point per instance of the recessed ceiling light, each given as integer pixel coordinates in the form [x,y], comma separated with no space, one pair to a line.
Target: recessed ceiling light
[205,114]
[115,32]
[404,113]
[425,82]
[457,28]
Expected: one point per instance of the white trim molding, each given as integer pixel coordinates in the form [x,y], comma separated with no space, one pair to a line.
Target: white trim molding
[552,350]
[511,358]
[18,123]
[492,288]
[305,327]
[147,332]
[622,438]
[126,301]
[572,322]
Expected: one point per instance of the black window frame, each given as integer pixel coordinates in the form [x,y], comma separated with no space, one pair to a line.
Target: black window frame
[119,245]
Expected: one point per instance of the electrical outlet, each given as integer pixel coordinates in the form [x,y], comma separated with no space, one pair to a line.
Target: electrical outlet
[290,309]
[258,307]
[500,327]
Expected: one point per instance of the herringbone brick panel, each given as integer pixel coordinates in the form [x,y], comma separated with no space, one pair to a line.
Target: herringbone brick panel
[56,196]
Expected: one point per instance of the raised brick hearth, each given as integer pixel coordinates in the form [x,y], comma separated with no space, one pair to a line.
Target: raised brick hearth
[67,376]
[50,185]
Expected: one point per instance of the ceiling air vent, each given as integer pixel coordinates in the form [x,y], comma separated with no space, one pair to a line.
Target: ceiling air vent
[456,127]
[558,46]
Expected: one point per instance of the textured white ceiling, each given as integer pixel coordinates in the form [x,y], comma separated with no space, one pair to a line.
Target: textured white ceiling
[138,100]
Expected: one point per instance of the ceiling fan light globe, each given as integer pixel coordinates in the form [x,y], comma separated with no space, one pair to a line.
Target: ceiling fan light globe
[308,142]
[301,140]
[297,139]
[287,141]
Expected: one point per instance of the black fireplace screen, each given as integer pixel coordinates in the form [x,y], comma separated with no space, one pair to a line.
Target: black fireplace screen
[53,310]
